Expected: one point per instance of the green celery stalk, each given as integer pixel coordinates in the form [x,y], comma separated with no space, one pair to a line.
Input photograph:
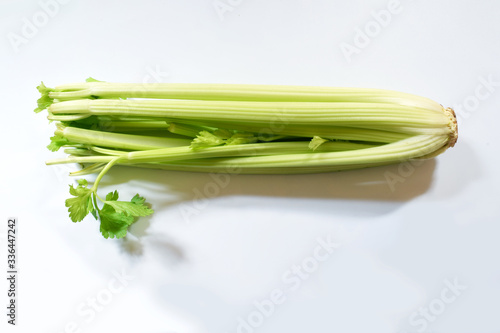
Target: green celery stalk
[236,92]
[239,129]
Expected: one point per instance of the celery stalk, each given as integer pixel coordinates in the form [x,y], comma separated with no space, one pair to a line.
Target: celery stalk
[239,129]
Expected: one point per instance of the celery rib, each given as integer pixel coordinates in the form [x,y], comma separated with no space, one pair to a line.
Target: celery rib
[239,129]
[239,92]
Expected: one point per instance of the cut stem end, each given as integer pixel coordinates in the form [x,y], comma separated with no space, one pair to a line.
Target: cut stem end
[453,126]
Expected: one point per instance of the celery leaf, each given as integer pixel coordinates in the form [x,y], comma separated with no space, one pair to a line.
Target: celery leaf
[316,142]
[56,142]
[45,101]
[241,138]
[206,139]
[113,223]
[135,207]
[91,79]
[81,204]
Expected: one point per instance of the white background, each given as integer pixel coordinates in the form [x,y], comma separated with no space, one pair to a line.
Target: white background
[399,248]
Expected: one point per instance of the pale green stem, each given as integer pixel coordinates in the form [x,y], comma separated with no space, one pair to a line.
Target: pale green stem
[102,173]
[118,140]
[345,114]
[239,92]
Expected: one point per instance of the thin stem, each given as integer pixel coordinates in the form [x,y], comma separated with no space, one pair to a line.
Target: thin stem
[96,167]
[80,159]
[102,173]
[186,153]
[94,195]
[251,149]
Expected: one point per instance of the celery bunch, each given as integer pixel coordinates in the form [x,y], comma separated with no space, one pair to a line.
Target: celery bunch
[247,129]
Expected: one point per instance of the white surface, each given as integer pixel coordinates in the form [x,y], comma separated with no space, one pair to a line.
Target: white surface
[398,250]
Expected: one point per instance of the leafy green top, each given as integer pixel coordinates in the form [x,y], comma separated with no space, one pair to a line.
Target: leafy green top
[81,204]
[115,216]
[57,141]
[45,101]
